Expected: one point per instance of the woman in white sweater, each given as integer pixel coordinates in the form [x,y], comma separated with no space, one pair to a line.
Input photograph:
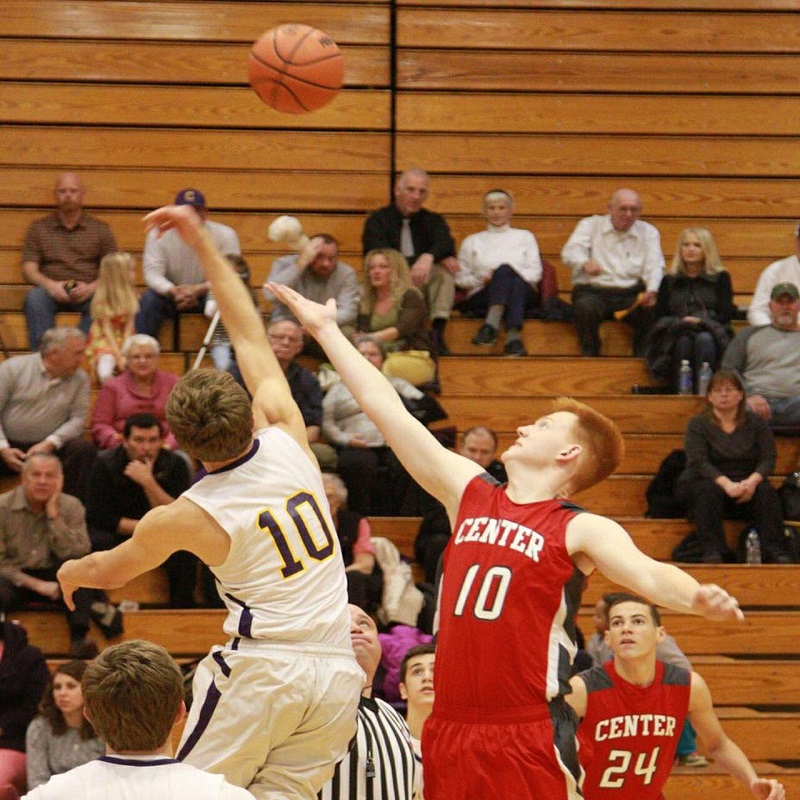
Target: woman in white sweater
[500,269]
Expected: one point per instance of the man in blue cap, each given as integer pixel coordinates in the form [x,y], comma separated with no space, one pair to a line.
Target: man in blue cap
[173,274]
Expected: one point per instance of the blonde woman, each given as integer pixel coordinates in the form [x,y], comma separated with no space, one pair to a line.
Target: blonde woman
[393,312]
[113,309]
[693,309]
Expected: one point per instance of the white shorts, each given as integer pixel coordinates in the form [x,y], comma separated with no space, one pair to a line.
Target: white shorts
[273,718]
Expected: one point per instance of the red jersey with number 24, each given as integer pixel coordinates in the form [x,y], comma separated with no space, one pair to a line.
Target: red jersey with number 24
[507,605]
[632,731]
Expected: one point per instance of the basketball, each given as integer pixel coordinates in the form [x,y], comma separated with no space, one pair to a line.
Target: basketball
[295,68]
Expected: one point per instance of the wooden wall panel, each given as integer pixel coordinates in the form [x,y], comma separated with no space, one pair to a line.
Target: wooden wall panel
[162,62]
[578,30]
[353,21]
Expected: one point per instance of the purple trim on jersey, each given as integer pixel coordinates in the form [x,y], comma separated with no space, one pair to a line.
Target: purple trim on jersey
[131,762]
[221,663]
[235,642]
[239,461]
[245,625]
[213,696]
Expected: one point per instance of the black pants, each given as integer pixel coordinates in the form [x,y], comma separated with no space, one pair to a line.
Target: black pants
[15,597]
[592,305]
[709,505]
[181,568]
[505,288]
[77,457]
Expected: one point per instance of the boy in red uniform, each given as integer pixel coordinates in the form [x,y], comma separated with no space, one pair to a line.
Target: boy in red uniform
[633,709]
[513,574]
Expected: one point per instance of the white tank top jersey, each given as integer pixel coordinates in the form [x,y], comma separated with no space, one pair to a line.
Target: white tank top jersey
[284,577]
[137,778]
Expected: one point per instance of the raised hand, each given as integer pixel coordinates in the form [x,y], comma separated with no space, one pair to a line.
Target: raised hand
[713,602]
[312,316]
[183,219]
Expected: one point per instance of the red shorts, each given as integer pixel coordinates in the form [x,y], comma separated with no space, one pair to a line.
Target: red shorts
[498,760]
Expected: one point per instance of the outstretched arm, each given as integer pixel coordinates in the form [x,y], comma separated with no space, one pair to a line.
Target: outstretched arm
[442,473]
[189,528]
[595,541]
[272,399]
[724,750]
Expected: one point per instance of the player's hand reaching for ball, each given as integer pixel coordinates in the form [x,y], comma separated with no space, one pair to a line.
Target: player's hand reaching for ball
[312,316]
[184,219]
[713,602]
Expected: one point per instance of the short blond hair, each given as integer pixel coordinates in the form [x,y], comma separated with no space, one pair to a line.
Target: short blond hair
[210,415]
[133,692]
[601,440]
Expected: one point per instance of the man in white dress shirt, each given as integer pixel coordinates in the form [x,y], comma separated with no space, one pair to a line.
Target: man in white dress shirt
[617,265]
[785,270]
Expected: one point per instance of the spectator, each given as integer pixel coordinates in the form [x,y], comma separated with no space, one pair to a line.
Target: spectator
[416,688]
[479,444]
[44,403]
[221,348]
[126,482]
[172,271]
[381,763]
[424,239]
[377,484]
[500,270]
[113,309]
[286,338]
[393,312]
[61,257]
[617,266]
[142,389]
[316,273]
[693,309]
[786,270]
[23,678]
[730,454]
[768,359]
[364,579]
[61,737]
[667,651]
[40,528]
[134,698]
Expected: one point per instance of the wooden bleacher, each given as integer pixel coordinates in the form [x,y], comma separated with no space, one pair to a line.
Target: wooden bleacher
[691,102]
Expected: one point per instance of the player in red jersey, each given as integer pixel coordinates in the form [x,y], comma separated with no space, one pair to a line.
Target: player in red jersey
[633,710]
[512,579]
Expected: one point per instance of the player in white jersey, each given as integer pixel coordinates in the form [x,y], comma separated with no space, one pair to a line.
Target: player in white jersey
[276,707]
[133,693]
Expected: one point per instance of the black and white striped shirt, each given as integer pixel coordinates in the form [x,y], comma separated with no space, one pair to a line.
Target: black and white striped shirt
[381,764]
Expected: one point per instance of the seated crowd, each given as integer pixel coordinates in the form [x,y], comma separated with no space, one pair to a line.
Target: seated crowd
[85,488]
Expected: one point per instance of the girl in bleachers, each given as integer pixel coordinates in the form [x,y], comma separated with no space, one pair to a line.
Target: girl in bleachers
[61,738]
[113,310]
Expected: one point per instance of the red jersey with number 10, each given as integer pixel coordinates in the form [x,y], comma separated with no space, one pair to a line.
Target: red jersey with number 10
[507,605]
[632,731]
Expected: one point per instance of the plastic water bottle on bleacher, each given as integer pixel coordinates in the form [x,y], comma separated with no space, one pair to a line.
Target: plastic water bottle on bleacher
[685,378]
[704,378]
[752,548]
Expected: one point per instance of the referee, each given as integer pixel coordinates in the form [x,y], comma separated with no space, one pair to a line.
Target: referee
[381,764]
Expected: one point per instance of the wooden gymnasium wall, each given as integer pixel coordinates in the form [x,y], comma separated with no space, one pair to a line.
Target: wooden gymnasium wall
[692,102]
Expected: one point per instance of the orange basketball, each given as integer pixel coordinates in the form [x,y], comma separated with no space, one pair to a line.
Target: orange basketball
[295,68]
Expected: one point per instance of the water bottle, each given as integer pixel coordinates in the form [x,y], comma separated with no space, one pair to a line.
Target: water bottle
[752,548]
[685,378]
[704,379]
